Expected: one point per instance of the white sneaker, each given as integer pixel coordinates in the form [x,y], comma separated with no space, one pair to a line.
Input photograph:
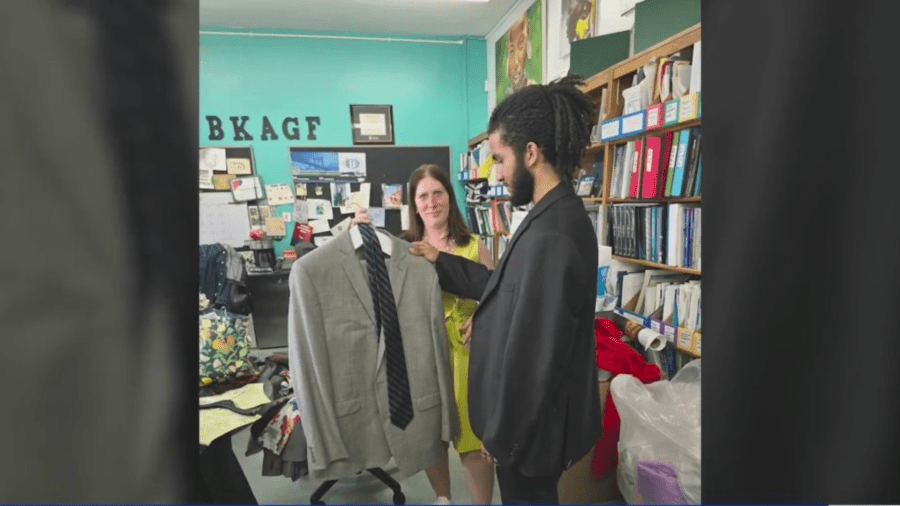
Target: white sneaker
[443,500]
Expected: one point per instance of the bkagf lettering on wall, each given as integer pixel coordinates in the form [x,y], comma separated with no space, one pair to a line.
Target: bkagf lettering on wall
[290,127]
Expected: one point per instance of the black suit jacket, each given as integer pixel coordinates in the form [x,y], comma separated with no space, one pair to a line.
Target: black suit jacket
[533,393]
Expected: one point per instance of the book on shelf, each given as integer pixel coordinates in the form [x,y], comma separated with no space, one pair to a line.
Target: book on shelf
[692,165]
[683,223]
[690,170]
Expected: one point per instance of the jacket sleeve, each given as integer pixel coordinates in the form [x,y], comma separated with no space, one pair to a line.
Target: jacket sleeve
[449,412]
[461,276]
[549,296]
[311,372]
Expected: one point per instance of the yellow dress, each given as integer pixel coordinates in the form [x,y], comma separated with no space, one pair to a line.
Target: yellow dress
[456,311]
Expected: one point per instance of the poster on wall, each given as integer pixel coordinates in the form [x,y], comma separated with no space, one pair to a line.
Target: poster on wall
[519,52]
[578,22]
[328,165]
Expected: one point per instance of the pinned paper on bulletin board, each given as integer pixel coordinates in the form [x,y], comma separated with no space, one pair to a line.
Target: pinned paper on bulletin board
[392,196]
[319,209]
[301,211]
[319,226]
[275,227]
[404,217]
[360,198]
[246,188]
[222,181]
[278,194]
[376,214]
[239,166]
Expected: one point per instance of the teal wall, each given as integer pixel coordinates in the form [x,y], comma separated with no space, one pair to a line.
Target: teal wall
[436,90]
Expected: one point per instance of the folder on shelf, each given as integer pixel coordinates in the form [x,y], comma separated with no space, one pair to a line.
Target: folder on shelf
[625,180]
[669,168]
[668,141]
[636,171]
[651,174]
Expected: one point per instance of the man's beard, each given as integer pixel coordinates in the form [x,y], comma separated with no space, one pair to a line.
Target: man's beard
[523,185]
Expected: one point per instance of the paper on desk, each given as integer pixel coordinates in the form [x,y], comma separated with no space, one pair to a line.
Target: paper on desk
[247,397]
[215,422]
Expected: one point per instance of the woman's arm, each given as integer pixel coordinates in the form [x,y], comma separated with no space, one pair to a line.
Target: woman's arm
[484,256]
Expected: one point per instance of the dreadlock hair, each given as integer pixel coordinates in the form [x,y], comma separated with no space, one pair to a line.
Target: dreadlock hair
[523,117]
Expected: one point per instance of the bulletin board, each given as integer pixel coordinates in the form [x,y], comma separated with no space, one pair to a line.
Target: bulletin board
[232,154]
[384,165]
[221,219]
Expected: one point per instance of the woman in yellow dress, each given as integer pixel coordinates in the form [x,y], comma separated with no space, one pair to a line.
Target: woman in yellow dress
[435,217]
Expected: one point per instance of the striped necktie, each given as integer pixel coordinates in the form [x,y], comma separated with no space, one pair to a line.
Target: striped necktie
[386,318]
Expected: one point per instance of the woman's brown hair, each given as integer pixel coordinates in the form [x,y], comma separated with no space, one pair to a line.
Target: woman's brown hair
[459,233]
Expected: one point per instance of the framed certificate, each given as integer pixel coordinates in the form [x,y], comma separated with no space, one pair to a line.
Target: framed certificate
[372,124]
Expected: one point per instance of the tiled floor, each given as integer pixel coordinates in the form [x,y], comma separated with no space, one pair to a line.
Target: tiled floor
[360,489]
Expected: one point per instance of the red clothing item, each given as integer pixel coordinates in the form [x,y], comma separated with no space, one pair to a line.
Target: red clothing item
[618,358]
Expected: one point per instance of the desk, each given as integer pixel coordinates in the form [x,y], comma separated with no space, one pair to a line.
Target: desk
[270,296]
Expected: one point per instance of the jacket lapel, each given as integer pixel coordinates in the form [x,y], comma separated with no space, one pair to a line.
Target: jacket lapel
[353,270]
[552,196]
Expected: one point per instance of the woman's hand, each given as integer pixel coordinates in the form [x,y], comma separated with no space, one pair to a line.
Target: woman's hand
[360,217]
[424,249]
[486,455]
[466,331]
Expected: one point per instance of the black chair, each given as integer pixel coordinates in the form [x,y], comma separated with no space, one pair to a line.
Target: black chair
[379,473]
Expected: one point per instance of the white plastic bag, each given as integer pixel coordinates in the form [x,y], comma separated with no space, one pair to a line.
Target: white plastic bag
[660,431]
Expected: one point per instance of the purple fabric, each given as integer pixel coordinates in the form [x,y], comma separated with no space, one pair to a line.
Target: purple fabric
[657,483]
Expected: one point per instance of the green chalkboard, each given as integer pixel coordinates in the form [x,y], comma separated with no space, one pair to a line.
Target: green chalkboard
[657,20]
[596,54]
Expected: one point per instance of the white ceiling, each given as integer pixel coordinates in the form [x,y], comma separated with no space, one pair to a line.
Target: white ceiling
[406,17]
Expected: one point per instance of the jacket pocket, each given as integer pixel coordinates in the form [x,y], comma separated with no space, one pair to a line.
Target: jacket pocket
[428,401]
[347,407]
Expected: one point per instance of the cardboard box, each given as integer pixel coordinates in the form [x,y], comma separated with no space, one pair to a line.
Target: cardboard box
[610,129]
[687,107]
[655,116]
[670,112]
[634,123]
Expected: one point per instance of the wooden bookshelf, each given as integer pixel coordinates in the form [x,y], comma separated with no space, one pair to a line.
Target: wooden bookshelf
[654,265]
[687,352]
[656,131]
[655,201]
[477,139]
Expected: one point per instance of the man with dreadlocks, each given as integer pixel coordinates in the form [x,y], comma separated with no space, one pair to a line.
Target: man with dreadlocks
[533,397]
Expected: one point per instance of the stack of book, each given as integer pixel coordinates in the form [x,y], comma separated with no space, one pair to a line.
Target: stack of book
[661,233]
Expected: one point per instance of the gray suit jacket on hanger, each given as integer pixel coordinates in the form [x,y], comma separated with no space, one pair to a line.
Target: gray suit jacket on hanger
[338,363]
